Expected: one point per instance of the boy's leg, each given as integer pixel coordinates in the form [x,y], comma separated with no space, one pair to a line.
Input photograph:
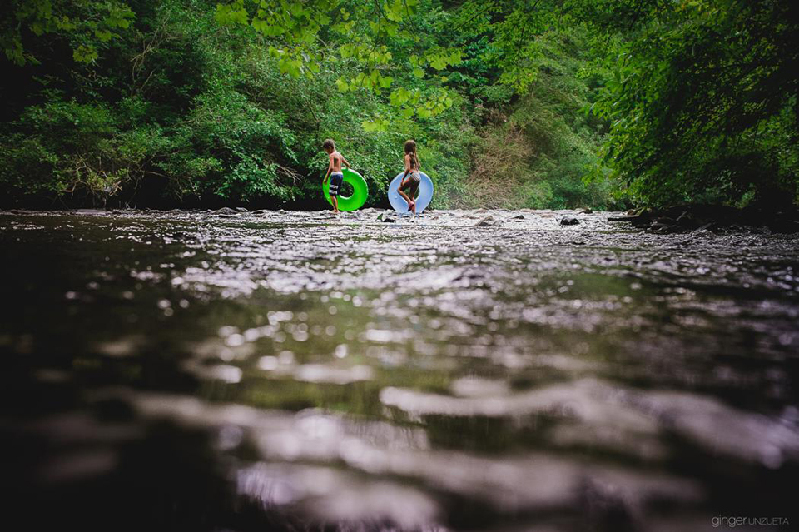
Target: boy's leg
[335,203]
[412,204]
[404,196]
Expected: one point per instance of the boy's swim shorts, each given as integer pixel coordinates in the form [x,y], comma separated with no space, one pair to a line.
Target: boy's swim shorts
[412,183]
[336,178]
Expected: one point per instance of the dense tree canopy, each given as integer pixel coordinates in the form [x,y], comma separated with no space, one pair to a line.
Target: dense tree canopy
[512,103]
[703,99]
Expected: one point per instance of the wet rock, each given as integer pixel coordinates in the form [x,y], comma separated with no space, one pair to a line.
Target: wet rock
[707,227]
[226,210]
[241,209]
[569,220]
[519,217]
[665,225]
[639,218]
[485,222]
[686,220]
[784,226]
[585,210]
[713,217]
[661,228]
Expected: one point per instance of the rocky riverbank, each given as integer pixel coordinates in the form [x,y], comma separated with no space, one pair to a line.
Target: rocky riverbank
[678,219]
[681,219]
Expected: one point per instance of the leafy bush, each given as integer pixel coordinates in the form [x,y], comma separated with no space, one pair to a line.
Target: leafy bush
[537,154]
[180,108]
[703,100]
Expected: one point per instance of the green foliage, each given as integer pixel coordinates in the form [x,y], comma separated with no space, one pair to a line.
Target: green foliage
[537,153]
[67,145]
[370,32]
[703,100]
[86,25]
[190,108]
[198,99]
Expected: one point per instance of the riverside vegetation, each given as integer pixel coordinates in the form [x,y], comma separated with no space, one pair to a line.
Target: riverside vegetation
[548,104]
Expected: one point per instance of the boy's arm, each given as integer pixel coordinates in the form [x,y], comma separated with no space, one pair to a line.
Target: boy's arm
[345,161]
[407,166]
[329,167]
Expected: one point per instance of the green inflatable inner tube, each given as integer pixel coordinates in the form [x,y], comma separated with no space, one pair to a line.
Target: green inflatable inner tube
[359,191]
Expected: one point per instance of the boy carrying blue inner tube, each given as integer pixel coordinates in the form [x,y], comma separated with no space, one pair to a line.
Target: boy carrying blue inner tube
[410,179]
[334,171]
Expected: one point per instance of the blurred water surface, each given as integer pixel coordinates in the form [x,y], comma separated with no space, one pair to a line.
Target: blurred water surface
[292,371]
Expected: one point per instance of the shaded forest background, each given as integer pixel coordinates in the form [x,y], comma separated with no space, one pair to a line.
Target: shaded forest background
[538,104]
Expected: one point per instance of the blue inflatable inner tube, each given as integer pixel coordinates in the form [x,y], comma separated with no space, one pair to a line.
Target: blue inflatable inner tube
[423,197]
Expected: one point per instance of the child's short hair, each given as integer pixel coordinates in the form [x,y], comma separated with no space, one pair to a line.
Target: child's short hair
[410,146]
[329,144]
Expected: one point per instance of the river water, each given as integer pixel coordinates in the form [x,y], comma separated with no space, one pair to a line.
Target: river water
[459,371]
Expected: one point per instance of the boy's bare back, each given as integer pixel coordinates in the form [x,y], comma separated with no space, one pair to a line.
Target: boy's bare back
[410,165]
[335,162]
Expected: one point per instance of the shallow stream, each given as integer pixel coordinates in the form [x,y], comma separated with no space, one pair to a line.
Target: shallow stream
[458,371]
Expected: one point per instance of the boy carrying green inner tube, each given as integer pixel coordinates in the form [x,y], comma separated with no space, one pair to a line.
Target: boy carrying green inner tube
[334,171]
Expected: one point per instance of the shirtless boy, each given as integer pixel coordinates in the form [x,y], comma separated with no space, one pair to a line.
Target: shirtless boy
[334,171]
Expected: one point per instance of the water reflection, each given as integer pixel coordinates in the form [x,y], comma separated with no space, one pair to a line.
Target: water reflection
[288,370]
